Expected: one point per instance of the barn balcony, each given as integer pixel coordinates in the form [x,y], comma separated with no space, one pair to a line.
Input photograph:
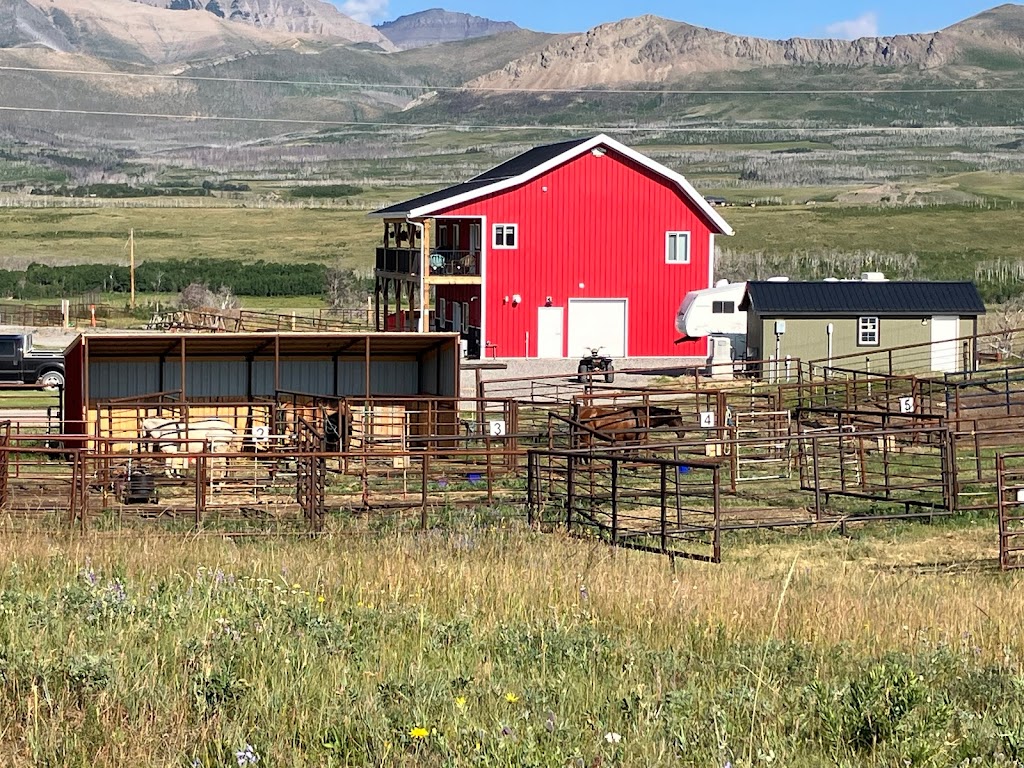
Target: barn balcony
[446,266]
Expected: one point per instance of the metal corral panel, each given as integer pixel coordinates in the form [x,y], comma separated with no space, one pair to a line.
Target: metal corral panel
[122,378]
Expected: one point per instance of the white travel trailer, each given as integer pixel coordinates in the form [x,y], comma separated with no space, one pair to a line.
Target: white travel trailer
[715,312]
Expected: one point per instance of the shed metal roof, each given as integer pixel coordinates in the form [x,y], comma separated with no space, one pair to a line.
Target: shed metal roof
[853,297]
[241,345]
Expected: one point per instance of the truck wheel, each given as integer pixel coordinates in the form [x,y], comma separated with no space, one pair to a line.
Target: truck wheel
[51,380]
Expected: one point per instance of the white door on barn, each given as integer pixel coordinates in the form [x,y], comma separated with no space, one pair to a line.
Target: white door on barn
[550,321]
[945,331]
[597,323]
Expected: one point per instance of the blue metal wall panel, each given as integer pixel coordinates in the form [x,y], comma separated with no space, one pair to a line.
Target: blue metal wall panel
[352,378]
[312,376]
[216,378]
[123,379]
[394,377]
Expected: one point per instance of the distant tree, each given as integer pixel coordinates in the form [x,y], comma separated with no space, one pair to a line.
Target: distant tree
[344,288]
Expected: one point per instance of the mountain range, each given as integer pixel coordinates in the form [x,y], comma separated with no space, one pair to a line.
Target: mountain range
[435,64]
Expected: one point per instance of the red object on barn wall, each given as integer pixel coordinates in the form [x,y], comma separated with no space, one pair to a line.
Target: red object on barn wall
[579,244]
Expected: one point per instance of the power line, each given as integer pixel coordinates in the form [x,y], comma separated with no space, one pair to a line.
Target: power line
[495,89]
[481,127]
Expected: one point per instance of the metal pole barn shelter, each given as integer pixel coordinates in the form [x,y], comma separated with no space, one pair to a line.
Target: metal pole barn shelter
[196,367]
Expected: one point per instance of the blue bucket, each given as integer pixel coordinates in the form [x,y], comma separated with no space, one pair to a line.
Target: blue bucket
[683,469]
[474,477]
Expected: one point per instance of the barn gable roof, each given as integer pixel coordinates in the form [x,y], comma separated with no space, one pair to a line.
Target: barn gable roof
[855,297]
[533,163]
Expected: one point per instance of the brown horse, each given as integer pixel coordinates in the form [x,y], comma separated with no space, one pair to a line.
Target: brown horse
[626,424]
[335,424]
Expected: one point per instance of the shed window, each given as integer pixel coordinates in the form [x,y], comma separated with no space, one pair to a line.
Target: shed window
[506,236]
[677,247]
[723,307]
[867,332]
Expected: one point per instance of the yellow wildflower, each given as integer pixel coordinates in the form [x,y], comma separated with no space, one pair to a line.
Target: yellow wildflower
[320,598]
[460,702]
[419,733]
[511,698]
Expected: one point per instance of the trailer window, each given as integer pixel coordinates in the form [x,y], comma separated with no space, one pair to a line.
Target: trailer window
[723,307]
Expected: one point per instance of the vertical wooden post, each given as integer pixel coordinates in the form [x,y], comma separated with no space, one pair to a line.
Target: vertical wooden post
[131,263]
[425,480]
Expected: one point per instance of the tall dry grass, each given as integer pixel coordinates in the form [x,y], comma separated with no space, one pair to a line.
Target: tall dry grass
[896,646]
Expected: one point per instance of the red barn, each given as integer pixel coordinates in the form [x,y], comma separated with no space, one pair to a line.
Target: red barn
[567,246]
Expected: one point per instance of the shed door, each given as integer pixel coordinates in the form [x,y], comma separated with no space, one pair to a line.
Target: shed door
[945,331]
[597,323]
[550,342]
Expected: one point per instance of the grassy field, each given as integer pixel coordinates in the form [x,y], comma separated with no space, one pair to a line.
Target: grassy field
[100,235]
[895,646]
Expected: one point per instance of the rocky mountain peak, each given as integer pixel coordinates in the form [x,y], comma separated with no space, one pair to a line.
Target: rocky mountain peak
[437,25]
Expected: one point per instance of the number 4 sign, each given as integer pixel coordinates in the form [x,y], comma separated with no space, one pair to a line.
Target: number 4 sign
[707,419]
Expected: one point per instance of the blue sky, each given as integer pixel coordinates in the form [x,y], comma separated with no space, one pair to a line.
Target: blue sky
[763,18]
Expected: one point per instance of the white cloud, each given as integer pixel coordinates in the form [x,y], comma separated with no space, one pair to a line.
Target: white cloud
[366,11]
[863,26]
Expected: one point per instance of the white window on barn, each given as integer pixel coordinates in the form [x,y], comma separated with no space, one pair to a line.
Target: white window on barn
[506,236]
[677,247]
[867,332]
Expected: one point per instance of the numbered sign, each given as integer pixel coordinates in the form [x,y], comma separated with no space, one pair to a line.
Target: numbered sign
[707,419]
[497,427]
[906,405]
[260,434]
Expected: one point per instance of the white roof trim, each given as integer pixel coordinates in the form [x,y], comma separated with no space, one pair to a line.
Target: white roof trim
[601,139]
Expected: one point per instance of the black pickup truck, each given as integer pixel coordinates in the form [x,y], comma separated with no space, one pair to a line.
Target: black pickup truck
[20,363]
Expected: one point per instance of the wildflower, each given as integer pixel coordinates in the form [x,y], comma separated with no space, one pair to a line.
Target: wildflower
[549,723]
[584,594]
[419,733]
[247,756]
[460,702]
[296,585]
[511,698]
[506,730]
[613,738]
[196,763]
[320,599]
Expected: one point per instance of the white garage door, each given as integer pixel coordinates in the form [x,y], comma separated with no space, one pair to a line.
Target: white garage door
[597,323]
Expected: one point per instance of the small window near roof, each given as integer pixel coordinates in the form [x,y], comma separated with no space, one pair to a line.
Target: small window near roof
[677,247]
[506,236]
[867,332]
[723,307]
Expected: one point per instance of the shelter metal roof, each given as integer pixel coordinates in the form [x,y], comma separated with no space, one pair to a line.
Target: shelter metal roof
[854,297]
[242,345]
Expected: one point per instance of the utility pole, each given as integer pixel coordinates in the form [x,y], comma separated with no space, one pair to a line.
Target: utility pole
[131,263]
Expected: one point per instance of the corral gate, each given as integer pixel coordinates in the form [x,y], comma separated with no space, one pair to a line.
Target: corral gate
[1010,483]
[311,473]
[639,502]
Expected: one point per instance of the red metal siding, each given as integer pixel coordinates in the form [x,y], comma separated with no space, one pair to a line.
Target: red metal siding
[74,391]
[599,221]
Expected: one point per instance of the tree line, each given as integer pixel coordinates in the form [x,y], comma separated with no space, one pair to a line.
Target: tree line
[260,278]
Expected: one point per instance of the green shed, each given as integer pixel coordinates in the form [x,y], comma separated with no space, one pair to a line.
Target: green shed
[865,325]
